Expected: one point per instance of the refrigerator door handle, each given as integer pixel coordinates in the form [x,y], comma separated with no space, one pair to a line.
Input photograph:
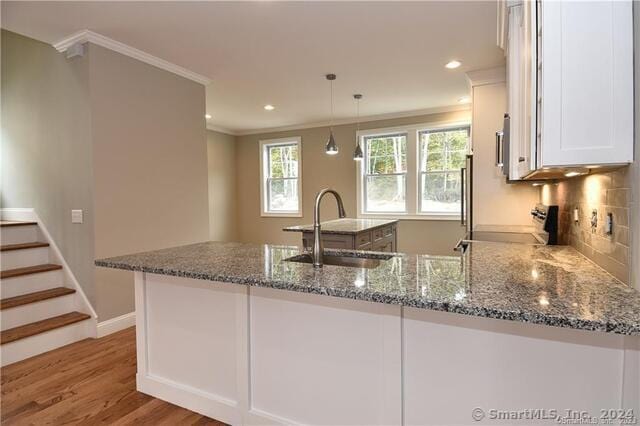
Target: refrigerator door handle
[499,148]
[463,196]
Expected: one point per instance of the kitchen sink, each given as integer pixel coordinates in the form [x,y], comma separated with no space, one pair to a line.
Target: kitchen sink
[369,261]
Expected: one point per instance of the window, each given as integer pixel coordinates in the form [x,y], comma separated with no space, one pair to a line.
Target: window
[413,171]
[385,178]
[442,155]
[280,187]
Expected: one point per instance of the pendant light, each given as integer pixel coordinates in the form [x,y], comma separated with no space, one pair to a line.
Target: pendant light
[331,148]
[357,154]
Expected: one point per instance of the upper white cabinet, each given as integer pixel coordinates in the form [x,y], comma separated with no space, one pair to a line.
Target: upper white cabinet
[570,84]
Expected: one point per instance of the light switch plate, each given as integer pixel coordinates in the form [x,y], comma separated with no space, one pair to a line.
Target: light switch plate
[76,216]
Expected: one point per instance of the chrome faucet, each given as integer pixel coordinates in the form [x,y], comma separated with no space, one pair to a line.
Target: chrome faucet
[317,237]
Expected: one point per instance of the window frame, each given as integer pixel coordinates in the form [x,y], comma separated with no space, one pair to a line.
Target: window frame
[412,183]
[443,172]
[264,146]
[366,175]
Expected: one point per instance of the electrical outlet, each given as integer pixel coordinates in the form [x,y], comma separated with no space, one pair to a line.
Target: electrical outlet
[594,220]
[576,215]
[76,216]
[608,227]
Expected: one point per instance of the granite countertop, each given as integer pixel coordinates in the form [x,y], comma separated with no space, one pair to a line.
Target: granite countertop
[346,226]
[552,285]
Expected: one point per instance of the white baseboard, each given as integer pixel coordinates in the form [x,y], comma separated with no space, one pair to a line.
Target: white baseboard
[116,324]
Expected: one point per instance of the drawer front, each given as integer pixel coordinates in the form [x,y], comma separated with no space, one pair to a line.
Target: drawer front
[337,243]
[385,244]
[363,238]
[387,247]
[383,232]
[329,241]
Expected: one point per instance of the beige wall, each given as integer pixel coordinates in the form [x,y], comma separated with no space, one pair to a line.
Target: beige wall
[494,201]
[46,145]
[150,166]
[221,152]
[338,172]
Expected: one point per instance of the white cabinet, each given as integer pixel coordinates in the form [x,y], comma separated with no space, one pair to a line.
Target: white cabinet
[570,80]
[587,83]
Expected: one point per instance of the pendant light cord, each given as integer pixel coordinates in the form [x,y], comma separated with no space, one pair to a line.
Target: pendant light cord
[357,114]
[331,123]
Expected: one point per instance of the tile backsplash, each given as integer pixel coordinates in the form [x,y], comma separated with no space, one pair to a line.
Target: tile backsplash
[603,193]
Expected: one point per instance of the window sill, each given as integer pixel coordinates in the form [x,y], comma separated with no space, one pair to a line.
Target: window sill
[269,214]
[400,216]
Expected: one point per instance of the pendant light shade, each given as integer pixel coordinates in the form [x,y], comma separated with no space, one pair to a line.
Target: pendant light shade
[332,147]
[357,154]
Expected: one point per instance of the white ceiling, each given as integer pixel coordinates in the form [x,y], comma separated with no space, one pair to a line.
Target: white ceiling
[278,53]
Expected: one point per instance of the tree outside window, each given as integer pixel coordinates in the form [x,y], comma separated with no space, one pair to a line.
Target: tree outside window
[442,155]
[386,173]
[281,173]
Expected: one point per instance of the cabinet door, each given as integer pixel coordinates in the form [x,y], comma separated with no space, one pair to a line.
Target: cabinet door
[526,159]
[514,90]
[521,89]
[587,83]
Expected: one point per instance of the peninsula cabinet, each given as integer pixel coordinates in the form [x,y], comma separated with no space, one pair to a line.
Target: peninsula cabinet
[570,85]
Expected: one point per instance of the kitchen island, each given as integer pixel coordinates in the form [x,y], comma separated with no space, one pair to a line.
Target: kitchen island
[238,333]
[349,233]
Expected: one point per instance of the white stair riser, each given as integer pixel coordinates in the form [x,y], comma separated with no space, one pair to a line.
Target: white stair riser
[32,312]
[18,234]
[43,342]
[29,283]
[21,258]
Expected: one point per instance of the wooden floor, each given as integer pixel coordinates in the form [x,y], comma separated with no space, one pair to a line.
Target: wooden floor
[89,382]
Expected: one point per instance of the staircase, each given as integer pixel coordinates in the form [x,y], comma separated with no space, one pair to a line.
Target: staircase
[40,307]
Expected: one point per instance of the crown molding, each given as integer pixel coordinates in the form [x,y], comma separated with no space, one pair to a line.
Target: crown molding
[364,119]
[219,129]
[87,36]
[486,76]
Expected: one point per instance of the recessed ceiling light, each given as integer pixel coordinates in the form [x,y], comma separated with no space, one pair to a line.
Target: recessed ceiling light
[207,116]
[453,64]
[269,107]
[464,100]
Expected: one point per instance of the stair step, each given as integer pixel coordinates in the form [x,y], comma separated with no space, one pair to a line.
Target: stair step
[37,296]
[23,246]
[17,272]
[27,330]
[7,223]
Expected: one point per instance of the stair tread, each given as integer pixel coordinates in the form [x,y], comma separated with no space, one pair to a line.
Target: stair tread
[4,223]
[38,327]
[22,246]
[37,296]
[10,273]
